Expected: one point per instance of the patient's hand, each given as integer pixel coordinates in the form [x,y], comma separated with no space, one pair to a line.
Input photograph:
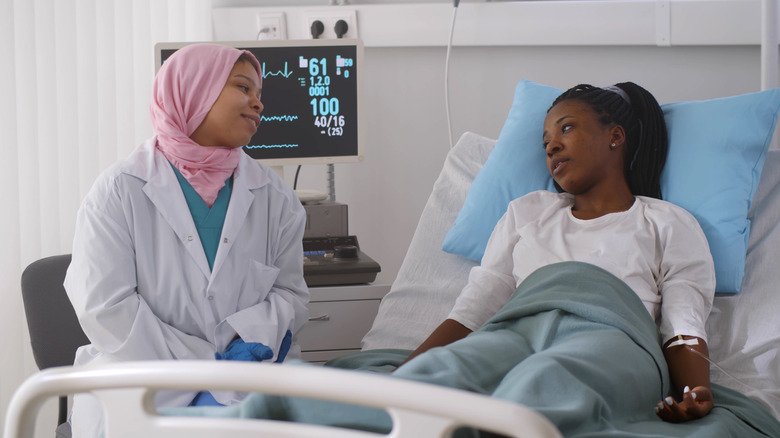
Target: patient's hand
[696,403]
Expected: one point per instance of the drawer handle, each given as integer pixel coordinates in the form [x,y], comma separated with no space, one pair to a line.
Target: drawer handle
[320,318]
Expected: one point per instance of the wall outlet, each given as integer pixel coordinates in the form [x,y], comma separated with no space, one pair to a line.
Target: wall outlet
[271,26]
[329,18]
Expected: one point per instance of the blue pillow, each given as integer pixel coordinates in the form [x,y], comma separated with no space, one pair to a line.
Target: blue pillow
[717,149]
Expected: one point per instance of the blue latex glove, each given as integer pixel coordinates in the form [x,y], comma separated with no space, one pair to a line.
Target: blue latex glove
[205,399]
[284,347]
[249,351]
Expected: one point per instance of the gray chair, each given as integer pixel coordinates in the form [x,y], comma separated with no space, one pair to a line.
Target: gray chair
[55,333]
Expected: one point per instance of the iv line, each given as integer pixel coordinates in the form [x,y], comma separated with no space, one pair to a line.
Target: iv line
[719,368]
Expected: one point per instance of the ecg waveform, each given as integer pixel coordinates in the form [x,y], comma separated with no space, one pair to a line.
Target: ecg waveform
[284,118]
[272,146]
[284,73]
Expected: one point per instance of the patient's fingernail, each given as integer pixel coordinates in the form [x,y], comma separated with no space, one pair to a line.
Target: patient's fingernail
[669,401]
[657,409]
[686,390]
[693,395]
[659,406]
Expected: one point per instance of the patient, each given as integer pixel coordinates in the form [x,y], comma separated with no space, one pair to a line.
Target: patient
[605,150]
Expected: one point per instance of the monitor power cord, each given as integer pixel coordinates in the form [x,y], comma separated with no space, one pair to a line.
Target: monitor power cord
[447,73]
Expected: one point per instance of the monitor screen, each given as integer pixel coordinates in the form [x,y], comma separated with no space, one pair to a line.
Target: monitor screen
[311,98]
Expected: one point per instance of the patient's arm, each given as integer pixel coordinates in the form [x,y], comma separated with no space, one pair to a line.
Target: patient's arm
[688,368]
[447,332]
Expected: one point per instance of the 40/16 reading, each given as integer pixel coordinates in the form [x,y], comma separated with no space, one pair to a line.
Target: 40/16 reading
[326,121]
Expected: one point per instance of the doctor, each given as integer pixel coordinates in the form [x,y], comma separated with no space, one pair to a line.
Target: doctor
[189,249]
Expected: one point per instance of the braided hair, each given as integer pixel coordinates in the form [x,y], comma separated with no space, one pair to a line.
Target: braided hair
[637,111]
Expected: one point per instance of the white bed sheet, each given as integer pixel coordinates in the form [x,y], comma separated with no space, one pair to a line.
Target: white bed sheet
[430,279]
[744,329]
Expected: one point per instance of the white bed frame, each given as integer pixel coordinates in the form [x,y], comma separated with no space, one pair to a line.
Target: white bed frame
[126,391]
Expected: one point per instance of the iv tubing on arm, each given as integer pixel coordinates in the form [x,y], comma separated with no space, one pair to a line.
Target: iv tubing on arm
[689,370]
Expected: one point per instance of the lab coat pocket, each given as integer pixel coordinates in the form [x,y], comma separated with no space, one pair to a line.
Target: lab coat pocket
[263,278]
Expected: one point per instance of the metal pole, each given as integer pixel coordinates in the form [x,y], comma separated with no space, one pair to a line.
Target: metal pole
[331,183]
[769,55]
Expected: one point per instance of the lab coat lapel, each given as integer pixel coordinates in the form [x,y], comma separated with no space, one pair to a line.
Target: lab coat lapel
[238,208]
[248,176]
[164,191]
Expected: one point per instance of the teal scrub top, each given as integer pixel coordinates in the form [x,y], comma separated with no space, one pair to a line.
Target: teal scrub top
[208,221]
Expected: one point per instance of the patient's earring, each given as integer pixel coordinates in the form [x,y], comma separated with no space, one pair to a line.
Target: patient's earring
[613,146]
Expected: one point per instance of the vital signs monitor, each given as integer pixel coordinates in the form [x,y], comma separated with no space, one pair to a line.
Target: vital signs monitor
[311,98]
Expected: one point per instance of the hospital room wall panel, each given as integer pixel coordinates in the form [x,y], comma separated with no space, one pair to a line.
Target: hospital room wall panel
[548,42]
[406,144]
[516,23]
[407,136]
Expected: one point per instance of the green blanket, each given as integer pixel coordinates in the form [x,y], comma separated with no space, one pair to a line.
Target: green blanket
[574,343]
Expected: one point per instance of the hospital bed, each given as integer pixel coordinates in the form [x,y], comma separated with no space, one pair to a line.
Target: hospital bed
[744,344]
[743,328]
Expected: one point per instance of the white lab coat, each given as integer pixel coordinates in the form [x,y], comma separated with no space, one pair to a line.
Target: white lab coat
[141,285]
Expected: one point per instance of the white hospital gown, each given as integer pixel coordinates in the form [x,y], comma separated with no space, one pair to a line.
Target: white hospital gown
[655,247]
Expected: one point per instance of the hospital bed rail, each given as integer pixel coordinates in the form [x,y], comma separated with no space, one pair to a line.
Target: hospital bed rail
[126,391]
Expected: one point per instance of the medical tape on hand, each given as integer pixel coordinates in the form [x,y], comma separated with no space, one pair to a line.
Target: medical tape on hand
[681,341]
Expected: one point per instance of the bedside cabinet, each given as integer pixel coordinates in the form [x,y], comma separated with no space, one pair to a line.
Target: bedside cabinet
[339,317]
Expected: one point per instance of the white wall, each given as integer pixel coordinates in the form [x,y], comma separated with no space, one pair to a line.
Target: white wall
[714,52]
[407,138]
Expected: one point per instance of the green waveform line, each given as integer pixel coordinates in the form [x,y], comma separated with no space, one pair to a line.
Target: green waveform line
[271,146]
[284,118]
[285,73]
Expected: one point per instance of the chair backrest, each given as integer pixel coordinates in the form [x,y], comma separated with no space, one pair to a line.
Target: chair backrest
[55,333]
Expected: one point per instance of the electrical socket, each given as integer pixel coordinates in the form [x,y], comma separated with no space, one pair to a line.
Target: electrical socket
[329,17]
[271,26]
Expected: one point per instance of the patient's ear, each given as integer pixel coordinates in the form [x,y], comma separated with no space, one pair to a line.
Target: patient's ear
[617,136]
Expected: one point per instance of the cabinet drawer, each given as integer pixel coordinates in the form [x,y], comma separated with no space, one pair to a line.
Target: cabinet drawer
[337,325]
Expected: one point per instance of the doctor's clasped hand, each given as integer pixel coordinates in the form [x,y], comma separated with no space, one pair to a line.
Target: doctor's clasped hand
[255,351]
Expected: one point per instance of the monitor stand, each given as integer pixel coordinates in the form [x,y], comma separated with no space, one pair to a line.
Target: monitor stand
[279,171]
[310,196]
[313,196]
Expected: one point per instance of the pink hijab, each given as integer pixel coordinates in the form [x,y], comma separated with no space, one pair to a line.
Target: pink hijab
[185,88]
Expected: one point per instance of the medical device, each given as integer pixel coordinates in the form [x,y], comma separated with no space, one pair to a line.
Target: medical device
[311,94]
[331,255]
[312,115]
